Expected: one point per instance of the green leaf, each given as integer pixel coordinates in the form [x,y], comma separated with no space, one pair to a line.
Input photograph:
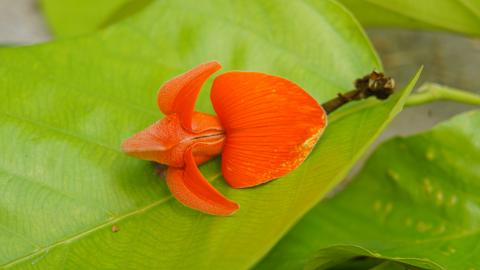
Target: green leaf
[415,201]
[393,266]
[76,17]
[460,16]
[68,105]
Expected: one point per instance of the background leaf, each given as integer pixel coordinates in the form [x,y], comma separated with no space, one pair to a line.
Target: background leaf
[67,106]
[461,16]
[415,201]
[76,17]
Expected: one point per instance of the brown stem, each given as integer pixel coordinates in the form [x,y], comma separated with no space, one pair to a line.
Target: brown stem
[373,84]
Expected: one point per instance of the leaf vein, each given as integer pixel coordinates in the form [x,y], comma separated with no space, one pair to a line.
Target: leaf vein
[111,221]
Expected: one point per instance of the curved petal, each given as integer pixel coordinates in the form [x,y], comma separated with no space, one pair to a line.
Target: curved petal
[180,93]
[271,126]
[190,187]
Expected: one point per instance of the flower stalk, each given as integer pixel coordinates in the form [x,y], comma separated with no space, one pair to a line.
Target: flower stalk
[374,84]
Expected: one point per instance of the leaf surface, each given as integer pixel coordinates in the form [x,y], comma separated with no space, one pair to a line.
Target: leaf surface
[460,16]
[69,198]
[416,202]
[76,17]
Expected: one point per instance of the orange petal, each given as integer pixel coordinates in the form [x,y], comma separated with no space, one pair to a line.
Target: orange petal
[271,126]
[155,139]
[190,187]
[165,141]
[180,93]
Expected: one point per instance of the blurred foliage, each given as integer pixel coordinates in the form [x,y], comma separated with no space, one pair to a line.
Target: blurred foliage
[76,17]
[415,201]
[460,16]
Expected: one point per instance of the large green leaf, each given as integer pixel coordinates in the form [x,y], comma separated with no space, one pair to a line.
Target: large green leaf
[67,106]
[416,201]
[461,16]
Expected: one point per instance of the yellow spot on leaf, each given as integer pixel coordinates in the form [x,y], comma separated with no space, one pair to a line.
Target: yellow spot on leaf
[427,185]
[442,228]
[408,222]
[393,175]
[439,197]
[423,227]
[388,207]
[377,205]
[453,200]
[430,154]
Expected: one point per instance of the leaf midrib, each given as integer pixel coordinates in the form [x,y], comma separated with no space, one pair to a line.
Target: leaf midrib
[110,221]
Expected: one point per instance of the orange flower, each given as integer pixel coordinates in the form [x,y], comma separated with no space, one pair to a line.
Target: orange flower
[266,127]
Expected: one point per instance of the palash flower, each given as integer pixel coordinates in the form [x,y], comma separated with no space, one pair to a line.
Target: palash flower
[266,127]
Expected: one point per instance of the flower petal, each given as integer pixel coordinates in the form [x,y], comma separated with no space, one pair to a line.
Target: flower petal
[271,126]
[165,141]
[190,187]
[180,93]
[156,141]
